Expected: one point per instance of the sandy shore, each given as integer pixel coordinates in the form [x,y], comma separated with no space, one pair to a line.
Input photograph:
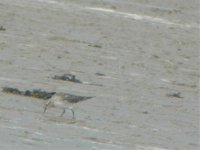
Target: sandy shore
[138,60]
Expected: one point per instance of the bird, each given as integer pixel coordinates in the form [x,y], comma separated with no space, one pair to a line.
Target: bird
[64,101]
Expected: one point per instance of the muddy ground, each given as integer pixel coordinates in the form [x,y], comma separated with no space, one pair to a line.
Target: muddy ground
[137,59]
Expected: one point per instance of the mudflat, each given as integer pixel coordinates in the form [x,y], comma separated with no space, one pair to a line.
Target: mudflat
[138,60]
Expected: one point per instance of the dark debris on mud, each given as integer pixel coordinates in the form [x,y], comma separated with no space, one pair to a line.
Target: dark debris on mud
[2,28]
[176,95]
[99,74]
[36,93]
[67,77]
[95,45]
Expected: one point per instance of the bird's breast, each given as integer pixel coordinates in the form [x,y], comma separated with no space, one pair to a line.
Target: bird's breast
[58,103]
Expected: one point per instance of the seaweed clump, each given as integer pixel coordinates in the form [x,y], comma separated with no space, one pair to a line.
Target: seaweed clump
[67,77]
[36,93]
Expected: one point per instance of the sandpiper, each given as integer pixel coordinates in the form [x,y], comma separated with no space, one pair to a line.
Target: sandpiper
[64,101]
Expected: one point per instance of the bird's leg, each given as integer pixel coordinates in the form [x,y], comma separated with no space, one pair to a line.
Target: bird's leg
[72,113]
[62,112]
[46,106]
